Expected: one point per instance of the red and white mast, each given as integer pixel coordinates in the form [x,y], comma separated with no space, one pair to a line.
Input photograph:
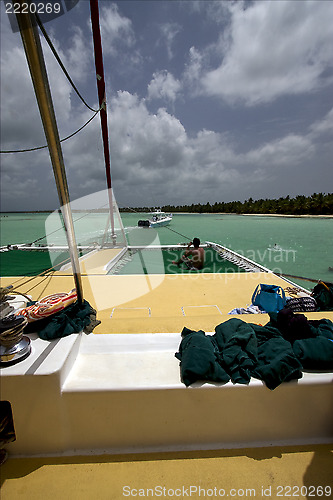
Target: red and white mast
[102,101]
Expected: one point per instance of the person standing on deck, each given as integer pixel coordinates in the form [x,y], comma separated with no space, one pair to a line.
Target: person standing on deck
[197,253]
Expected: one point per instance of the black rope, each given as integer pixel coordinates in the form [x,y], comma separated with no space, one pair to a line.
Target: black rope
[61,140]
[72,84]
[62,227]
[45,236]
[40,24]
[303,278]
[180,234]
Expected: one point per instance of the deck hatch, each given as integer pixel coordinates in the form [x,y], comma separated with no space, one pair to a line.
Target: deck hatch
[130,312]
[200,310]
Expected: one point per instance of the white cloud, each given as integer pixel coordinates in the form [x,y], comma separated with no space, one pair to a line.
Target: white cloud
[116,29]
[286,152]
[277,48]
[77,56]
[193,71]
[169,32]
[21,122]
[144,141]
[154,154]
[154,160]
[323,127]
[21,125]
[164,86]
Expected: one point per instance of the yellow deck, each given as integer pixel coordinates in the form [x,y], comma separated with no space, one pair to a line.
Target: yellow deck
[162,304]
[244,473]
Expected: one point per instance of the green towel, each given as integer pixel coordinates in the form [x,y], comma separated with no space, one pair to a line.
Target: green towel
[315,354]
[244,350]
[199,358]
[238,346]
[277,363]
[322,327]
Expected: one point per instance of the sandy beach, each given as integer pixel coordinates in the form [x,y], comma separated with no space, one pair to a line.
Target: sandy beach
[294,216]
[258,215]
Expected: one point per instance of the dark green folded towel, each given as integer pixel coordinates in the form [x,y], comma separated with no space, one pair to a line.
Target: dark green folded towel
[238,346]
[277,363]
[322,327]
[243,350]
[315,354]
[199,358]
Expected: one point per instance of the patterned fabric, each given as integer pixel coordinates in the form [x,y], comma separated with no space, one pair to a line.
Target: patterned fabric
[302,304]
[48,305]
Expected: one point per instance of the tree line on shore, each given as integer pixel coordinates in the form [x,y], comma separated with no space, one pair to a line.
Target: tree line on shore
[316,204]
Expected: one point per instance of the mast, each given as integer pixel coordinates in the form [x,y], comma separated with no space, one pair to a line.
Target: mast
[34,55]
[102,101]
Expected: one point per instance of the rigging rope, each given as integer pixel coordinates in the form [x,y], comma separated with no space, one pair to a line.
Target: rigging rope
[58,264]
[303,278]
[74,87]
[166,227]
[40,24]
[37,275]
[62,227]
[45,236]
[61,140]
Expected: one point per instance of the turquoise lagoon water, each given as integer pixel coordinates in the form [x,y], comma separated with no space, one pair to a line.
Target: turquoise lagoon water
[304,246]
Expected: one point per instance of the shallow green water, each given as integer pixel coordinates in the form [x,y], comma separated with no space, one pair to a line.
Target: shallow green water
[161,262]
[18,263]
[305,245]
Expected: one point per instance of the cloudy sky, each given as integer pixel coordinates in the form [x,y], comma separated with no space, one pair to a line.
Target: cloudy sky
[207,101]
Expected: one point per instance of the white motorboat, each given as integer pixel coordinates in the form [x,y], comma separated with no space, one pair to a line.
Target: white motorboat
[157,219]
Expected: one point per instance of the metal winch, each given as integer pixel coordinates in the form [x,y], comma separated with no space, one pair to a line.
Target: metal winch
[14,346]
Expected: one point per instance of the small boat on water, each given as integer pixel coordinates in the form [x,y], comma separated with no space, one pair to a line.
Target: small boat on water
[157,219]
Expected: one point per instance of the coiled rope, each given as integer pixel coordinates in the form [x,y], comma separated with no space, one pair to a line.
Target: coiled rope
[47,306]
[11,327]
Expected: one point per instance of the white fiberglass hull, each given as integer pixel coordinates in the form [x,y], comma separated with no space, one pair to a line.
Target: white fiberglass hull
[162,222]
[122,392]
[107,393]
